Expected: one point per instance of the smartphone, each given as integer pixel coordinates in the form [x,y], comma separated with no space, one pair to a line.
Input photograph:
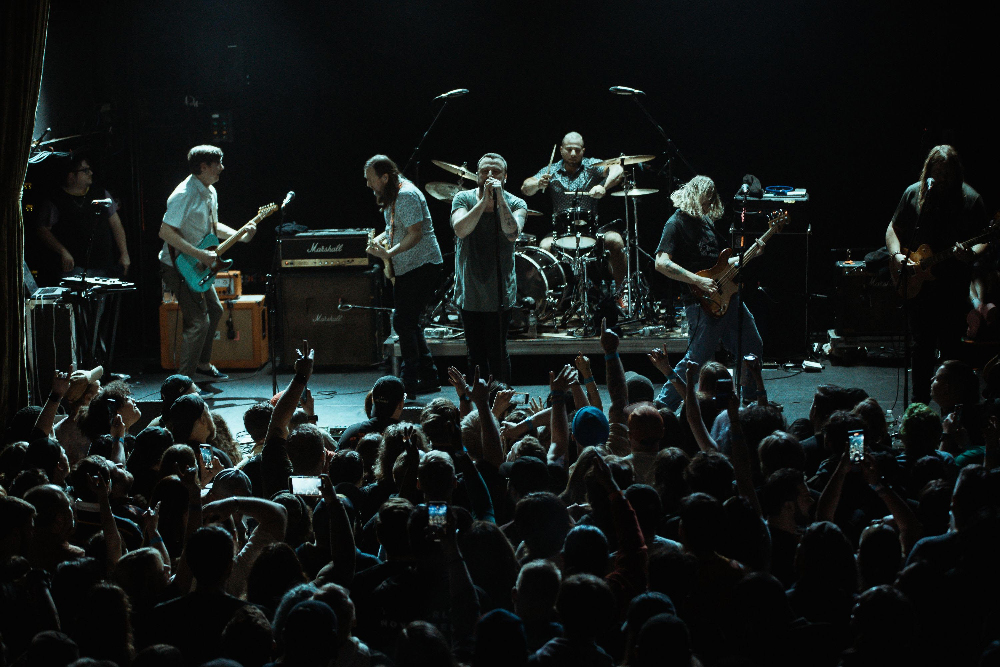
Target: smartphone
[305,485]
[723,387]
[520,398]
[856,445]
[957,419]
[206,455]
[437,519]
[749,358]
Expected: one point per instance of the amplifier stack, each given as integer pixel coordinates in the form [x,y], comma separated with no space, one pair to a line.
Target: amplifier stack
[321,272]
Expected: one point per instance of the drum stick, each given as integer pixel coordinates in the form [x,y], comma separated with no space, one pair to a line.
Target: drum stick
[551,158]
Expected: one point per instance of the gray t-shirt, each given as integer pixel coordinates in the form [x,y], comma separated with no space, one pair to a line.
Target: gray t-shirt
[410,208]
[475,258]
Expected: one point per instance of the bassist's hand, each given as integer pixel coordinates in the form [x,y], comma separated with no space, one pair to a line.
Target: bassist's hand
[706,285]
[207,257]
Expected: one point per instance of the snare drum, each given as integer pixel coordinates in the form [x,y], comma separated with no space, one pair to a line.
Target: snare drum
[524,239]
[543,278]
[575,230]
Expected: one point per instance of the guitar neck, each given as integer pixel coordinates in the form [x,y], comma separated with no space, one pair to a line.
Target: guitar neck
[228,243]
[950,252]
[754,250]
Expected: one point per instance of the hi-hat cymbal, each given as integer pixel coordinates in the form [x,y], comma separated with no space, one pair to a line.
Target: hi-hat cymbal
[456,169]
[625,159]
[635,192]
[442,191]
[533,214]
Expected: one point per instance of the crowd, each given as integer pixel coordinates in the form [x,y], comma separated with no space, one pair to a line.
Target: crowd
[481,532]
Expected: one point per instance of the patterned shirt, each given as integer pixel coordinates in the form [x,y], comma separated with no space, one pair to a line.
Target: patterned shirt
[586,177]
[411,209]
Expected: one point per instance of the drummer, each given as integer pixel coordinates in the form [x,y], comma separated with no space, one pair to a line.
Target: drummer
[576,173]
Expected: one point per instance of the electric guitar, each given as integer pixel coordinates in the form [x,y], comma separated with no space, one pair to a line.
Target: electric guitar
[201,278]
[724,274]
[910,279]
[387,266]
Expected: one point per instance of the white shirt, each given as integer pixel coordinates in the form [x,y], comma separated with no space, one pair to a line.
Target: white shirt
[192,209]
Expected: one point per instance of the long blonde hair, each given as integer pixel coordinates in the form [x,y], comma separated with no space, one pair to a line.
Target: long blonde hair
[693,195]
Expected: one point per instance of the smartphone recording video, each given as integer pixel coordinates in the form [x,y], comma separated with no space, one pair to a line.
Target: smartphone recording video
[856,445]
[305,485]
[206,455]
[437,519]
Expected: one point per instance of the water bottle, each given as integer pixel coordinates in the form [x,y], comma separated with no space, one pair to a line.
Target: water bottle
[532,324]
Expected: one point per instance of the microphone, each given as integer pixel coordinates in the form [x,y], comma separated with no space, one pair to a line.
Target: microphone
[622,90]
[458,92]
[744,190]
[288,199]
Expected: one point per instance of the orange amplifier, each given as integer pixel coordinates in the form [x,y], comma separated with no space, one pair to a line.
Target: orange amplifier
[229,284]
[240,339]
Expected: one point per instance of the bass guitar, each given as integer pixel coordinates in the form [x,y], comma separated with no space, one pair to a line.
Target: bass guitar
[910,279]
[724,274]
[201,278]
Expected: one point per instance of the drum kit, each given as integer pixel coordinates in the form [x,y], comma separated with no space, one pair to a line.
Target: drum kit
[553,286]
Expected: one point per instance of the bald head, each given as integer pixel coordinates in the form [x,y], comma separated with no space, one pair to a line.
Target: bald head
[573,138]
[571,150]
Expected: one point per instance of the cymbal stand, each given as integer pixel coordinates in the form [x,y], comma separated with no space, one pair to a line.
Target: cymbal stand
[635,289]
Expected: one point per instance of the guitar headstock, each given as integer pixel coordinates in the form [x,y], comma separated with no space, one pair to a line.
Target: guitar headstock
[266,210]
[777,220]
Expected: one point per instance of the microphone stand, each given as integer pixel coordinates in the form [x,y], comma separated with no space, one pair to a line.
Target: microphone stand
[502,371]
[739,294]
[672,150]
[273,292]
[416,151]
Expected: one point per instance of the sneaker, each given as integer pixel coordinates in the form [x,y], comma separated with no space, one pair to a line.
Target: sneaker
[213,373]
[206,395]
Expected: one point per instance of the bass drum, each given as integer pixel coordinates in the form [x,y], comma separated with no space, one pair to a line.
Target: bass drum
[544,279]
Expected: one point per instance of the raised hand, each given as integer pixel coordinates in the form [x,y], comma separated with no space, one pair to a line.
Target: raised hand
[478,389]
[308,402]
[609,339]
[502,401]
[660,360]
[582,364]
[60,381]
[562,381]
[117,427]
[535,406]
[305,357]
[603,476]
[458,381]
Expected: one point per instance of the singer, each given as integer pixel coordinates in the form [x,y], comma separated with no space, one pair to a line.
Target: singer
[487,221]
[407,246]
[941,212]
[691,243]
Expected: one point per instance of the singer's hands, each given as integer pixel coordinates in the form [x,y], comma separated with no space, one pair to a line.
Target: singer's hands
[492,186]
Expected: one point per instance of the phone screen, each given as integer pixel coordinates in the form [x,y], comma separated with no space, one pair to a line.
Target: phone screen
[437,518]
[305,485]
[856,445]
[206,455]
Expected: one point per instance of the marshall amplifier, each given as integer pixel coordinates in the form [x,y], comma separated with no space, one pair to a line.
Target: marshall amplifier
[311,308]
[325,248]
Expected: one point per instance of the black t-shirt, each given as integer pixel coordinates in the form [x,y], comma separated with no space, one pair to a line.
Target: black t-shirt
[73,223]
[940,224]
[693,243]
[349,439]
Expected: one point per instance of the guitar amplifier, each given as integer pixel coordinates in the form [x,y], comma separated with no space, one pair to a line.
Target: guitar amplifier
[240,338]
[325,248]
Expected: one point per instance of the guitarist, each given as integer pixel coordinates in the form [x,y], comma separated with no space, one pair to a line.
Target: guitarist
[409,247]
[691,243]
[940,210]
[193,212]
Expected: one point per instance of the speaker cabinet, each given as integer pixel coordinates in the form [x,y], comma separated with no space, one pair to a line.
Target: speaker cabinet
[51,339]
[240,338]
[311,306]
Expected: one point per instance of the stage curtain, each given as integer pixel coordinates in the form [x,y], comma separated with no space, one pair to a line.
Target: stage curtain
[23,25]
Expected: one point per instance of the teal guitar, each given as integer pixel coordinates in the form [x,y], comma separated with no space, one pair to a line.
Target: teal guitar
[201,278]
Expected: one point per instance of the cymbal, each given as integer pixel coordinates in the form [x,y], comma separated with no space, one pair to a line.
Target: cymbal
[635,192]
[625,159]
[456,169]
[442,191]
[533,214]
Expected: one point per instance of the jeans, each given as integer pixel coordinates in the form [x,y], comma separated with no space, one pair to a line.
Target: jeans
[486,340]
[704,335]
[200,313]
[411,293]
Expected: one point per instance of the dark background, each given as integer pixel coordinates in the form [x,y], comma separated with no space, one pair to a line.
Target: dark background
[844,99]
